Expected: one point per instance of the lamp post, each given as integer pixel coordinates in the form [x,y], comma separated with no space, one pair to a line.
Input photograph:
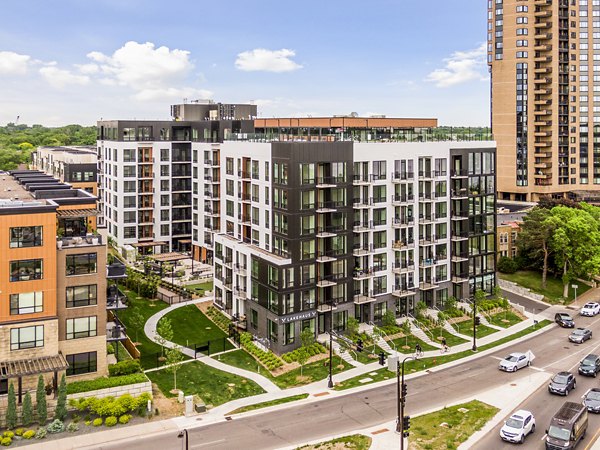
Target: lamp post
[474,348]
[330,381]
[401,400]
[183,433]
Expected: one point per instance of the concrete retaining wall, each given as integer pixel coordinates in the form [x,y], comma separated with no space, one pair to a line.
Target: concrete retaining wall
[134,389]
[519,290]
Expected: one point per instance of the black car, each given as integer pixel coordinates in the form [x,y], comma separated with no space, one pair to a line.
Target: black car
[591,400]
[564,320]
[580,335]
[562,383]
[590,365]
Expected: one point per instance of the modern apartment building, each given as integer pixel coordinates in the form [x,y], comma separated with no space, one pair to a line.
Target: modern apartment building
[52,283]
[75,165]
[544,59]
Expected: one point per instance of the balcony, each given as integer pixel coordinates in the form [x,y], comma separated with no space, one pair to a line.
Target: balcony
[460,278]
[403,245]
[363,274]
[399,177]
[398,222]
[328,182]
[360,203]
[459,194]
[403,290]
[459,215]
[329,231]
[115,298]
[330,206]
[460,173]
[244,175]
[361,227]
[212,162]
[358,180]
[426,174]
[360,250]
[427,262]
[244,197]
[363,297]
[460,257]
[457,237]
[427,285]
[115,331]
[397,200]
[328,256]
[89,240]
[327,281]
[426,218]
[403,267]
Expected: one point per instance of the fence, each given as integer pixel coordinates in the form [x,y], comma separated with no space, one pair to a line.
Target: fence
[213,346]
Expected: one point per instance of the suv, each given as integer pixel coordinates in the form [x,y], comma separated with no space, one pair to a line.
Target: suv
[564,320]
[590,365]
[562,383]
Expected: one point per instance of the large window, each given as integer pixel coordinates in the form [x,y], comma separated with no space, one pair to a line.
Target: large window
[81,264]
[80,363]
[26,303]
[29,269]
[81,327]
[82,296]
[27,337]
[25,237]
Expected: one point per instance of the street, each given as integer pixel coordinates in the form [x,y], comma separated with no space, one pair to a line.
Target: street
[307,422]
[531,306]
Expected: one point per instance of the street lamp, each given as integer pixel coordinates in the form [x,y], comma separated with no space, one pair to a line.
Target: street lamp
[401,400]
[474,348]
[330,381]
[183,433]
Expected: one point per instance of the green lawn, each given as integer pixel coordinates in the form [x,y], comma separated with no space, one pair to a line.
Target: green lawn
[504,320]
[451,339]
[123,353]
[411,341]
[279,401]
[426,432]
[147,308]
[200,288]
[483,331]
[191,326]
[213,386]
[554,287]
[353,442]
[426,363]
[243,360]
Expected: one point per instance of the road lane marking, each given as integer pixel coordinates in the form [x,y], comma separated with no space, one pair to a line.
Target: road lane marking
[593,440]
[543,437]
[581,350]
[207,443]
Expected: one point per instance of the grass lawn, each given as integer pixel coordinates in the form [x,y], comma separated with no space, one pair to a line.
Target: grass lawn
[426,432]
[482,331]
[146,308]
[200,288]
[354,441]
[504,320]
[411,341]
[123,353]
[213,386]
[191,326]
[426,363]
[554,287]
[243,360]
[279,401]
[451,339]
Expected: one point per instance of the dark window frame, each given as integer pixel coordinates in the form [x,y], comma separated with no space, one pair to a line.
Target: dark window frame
[17,311]
[21,345]
[18,241]
[16,266]
[88,363]
[81,334]
[88,301]
[72,267]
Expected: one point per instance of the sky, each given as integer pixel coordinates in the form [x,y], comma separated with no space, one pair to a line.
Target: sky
[78,61]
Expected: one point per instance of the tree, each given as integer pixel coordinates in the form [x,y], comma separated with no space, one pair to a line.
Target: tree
[164,333]
[507,265]
[307,337]
[451,303]
[420,309]
[535,237]
[389,319]
[61,404]
[137,320]
[352,326]
[174,358]
[480,296]
[27,413]
[11,410]
[302,357]
[40,399]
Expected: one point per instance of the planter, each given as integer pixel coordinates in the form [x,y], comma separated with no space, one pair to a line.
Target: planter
[94,241]
[59,244]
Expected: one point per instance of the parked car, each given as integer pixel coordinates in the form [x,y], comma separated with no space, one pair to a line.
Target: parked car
[514,362]
[590,365]
[564,320]
[590,309]
[591,400]
[562,383]
[580,335]
[518,426]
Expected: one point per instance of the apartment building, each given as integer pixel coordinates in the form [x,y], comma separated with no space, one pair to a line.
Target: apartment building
[544,59]
[53,295]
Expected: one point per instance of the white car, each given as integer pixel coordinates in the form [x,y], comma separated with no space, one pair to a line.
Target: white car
[590,309]
[518,426]
[515,361]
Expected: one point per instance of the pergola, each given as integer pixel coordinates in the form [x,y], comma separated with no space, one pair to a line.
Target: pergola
[162,258]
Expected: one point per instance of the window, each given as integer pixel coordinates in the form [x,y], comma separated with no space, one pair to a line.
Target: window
[129,201]
[30,269]
[272,330]
[25,237]
[81,327]
[81,264]
[80,363]
[27,337]
[289,333]
[26,303]
[129,171]
[82,296]
[164,154]
[254,318]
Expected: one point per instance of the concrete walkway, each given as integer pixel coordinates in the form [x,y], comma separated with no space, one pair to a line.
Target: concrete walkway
[150,331]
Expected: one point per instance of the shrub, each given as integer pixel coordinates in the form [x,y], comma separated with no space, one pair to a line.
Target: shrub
[27,413]
[507,265]
[109,406]
[41,433]
[268,359]
[11,411]
[56,426]
[8,434]
[28,434]
[105,382]
[42,409]
[125,418]
[124,368]
[72,427]
[60,412]
[20,431]
[110,421]
[110,349]
[97,422]
[6,441]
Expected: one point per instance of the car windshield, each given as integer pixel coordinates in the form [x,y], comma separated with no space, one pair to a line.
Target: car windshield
[511,358]
[593,395]
[588,362]
[579,332]
[565,317]
[560,379]
[559,433]
[514,423]
[589,305]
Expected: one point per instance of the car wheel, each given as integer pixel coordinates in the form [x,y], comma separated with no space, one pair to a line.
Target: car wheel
[532,428]
[522,439]
[528,363]
[595,374]
[514,368]
[574,384]
[566,392]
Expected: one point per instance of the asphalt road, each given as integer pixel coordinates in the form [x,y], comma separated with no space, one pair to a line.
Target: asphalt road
[531,306]
[307,422]
[544,405]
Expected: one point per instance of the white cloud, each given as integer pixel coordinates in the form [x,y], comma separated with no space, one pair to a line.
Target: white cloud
[12,63]
[171,94]
[60,78]
[461,66]
[261,59]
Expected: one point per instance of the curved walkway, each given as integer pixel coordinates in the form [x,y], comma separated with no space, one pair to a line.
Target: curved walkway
[150,331]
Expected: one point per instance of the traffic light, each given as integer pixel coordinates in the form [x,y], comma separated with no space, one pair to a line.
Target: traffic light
[406,425]
[381,358]
[477,320]
[404,390]
[359,345]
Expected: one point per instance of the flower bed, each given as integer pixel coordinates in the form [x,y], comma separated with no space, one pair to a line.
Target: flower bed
[268,359]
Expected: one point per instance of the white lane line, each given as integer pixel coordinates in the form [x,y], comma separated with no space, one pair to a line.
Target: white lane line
[497,357]
[543,437]
[539,369]
[207,443]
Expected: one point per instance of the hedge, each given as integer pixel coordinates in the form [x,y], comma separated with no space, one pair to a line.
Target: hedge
[110,406]
[105,382]
[219,318]
[270,360]
[124,368]
[313,350]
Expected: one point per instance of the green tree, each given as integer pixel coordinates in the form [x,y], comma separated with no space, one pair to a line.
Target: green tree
[389,319]
[138,321]
[27,413]
[307,337]
[507,265]
[164,333]
[61,404]
[11,410]
[352,326]
[40,398]
[480,297]
[302,358]
[174,358]
[420,309]
[536,235]
[451,303]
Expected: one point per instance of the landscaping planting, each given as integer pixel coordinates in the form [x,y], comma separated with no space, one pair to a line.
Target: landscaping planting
[105,382]
[354,441]
[279,401]
[504,319]
[270,360]
[554,288]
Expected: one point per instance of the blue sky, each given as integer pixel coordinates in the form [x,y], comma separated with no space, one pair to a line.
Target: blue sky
[67,61]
